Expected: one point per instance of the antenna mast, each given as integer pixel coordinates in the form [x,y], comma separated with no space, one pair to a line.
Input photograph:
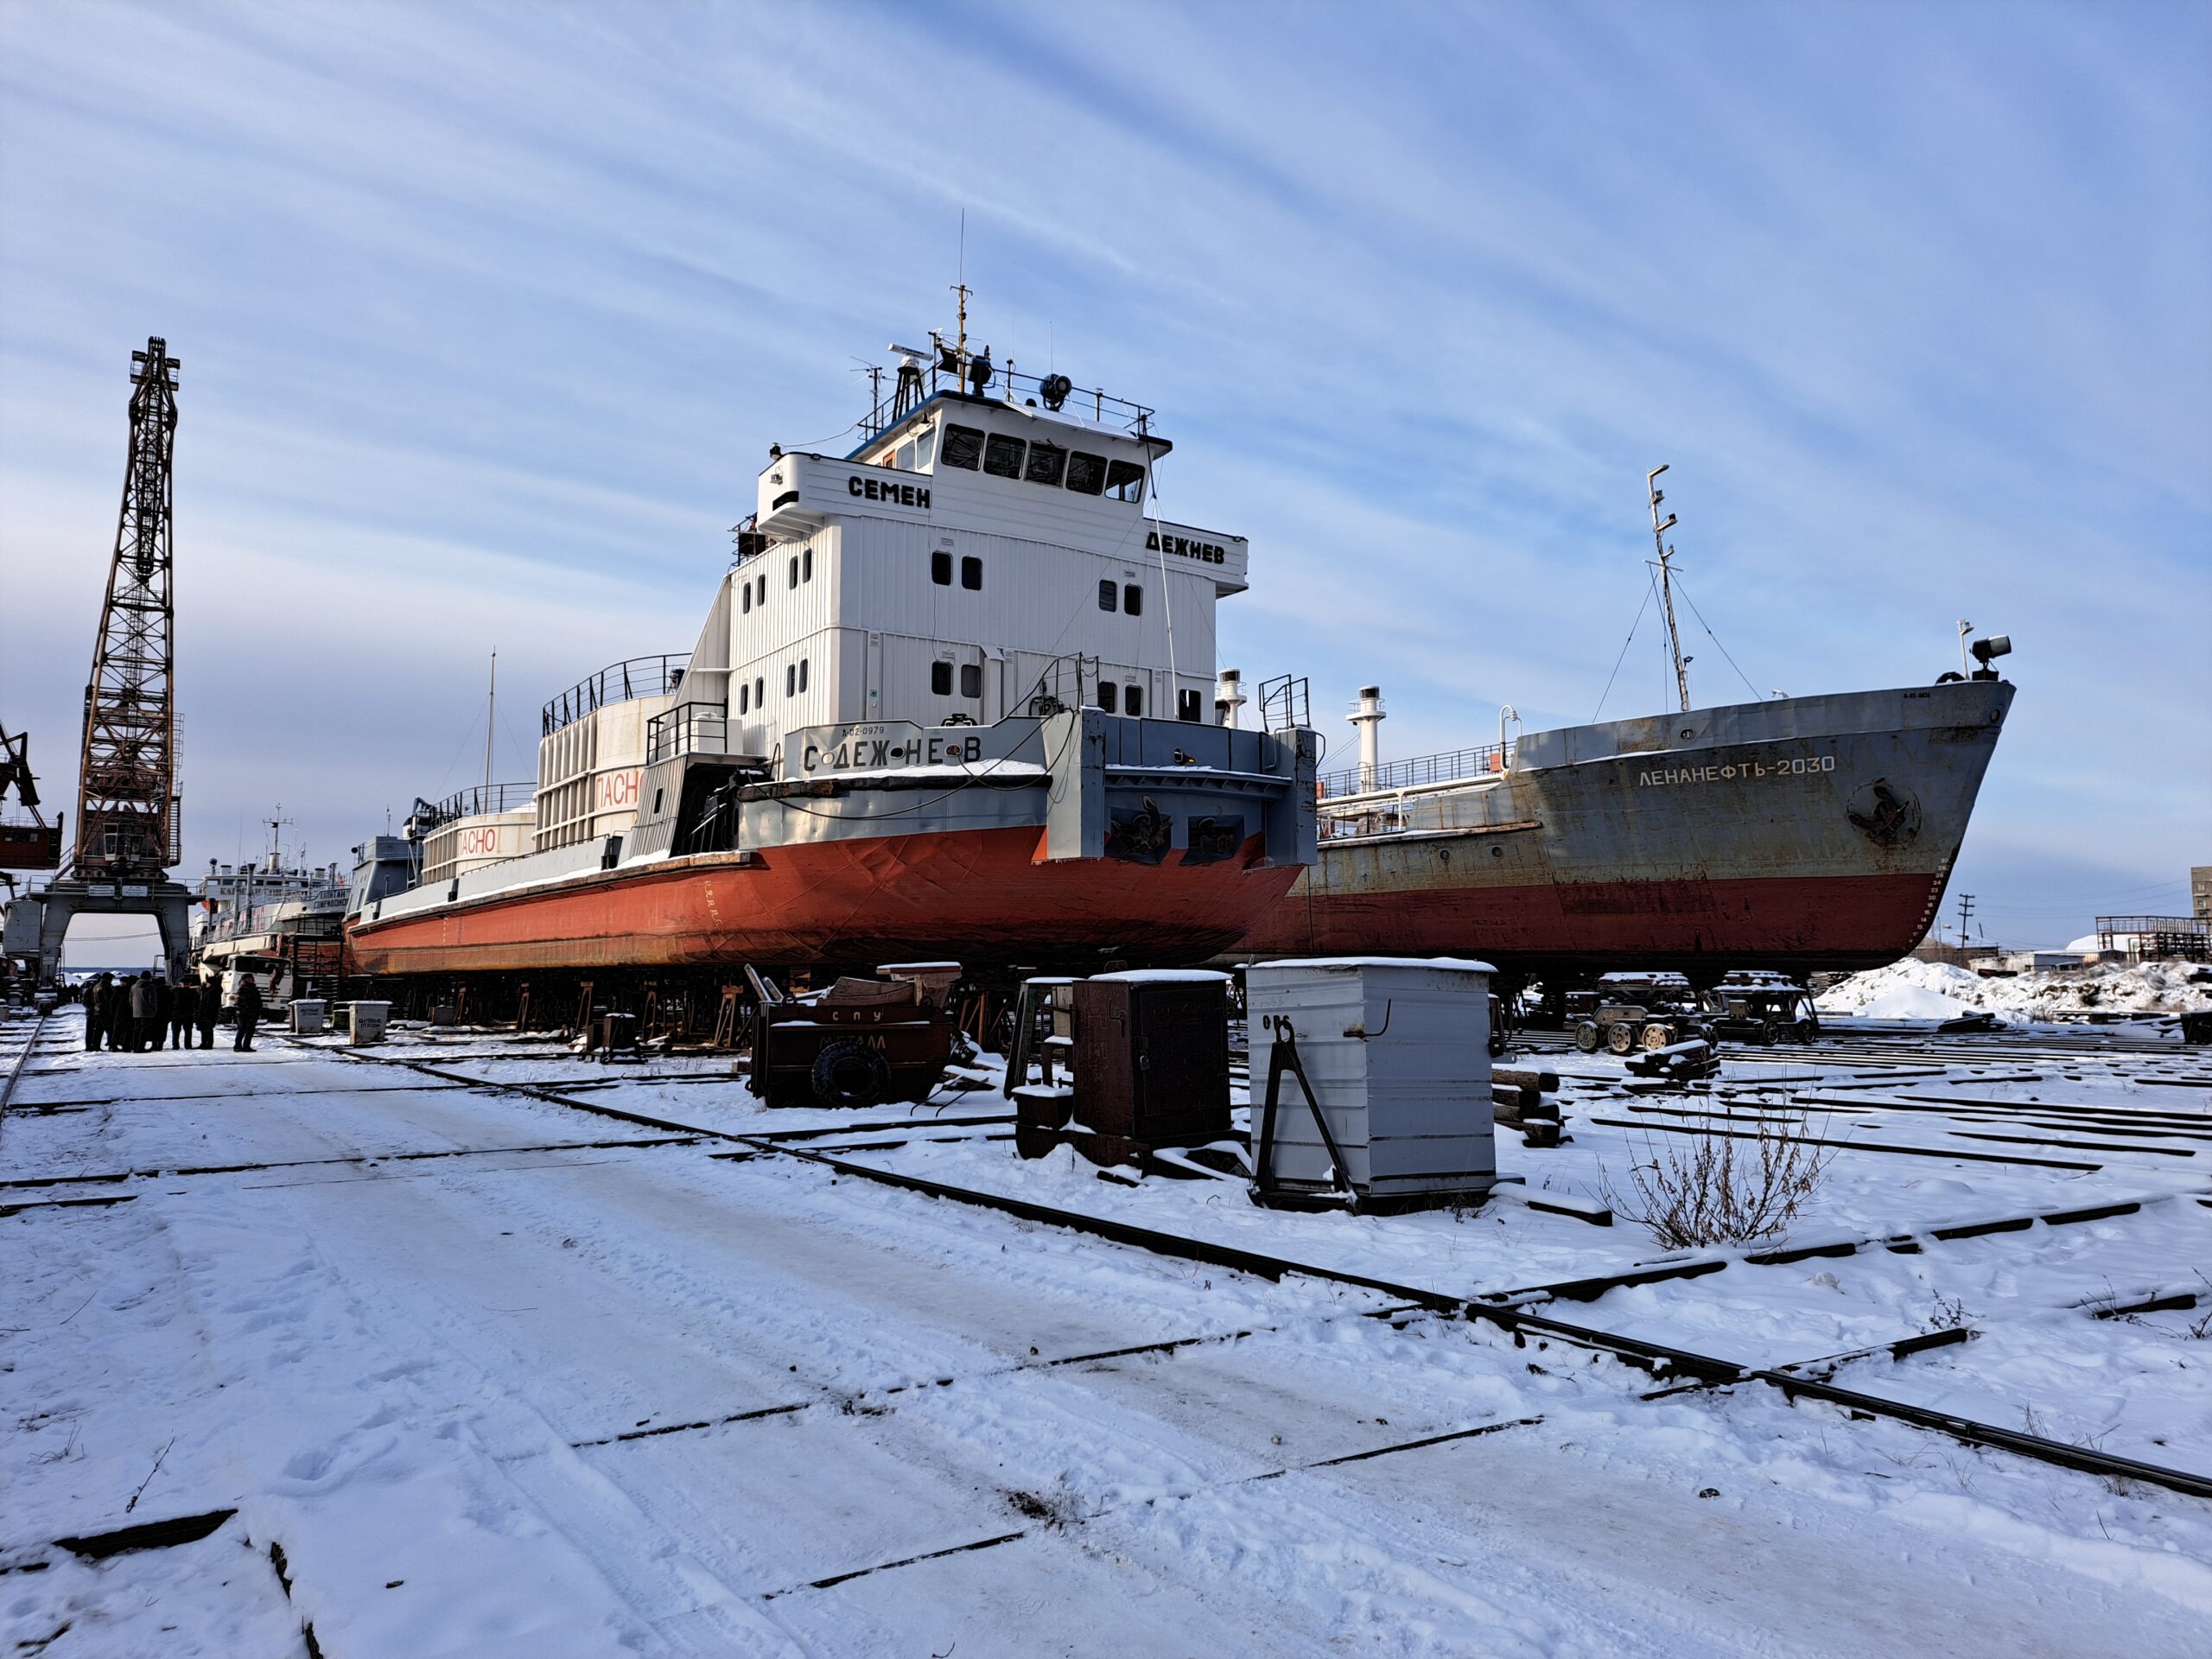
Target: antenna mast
[491,710]
[1666,584]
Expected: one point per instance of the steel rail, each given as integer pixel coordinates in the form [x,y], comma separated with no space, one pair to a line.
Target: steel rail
[1518,1322]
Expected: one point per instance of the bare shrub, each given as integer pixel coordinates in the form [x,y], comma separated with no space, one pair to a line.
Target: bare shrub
[1719,1189]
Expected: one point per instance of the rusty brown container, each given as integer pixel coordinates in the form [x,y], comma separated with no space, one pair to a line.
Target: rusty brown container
[1152,1056]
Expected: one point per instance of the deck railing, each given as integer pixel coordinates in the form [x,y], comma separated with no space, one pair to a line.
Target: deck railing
[1455,765]
[640,676]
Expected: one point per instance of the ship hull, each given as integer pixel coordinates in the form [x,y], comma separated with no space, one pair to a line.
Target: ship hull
[981,897]
[1796,837]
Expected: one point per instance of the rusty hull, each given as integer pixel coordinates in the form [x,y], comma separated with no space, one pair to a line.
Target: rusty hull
[1796,836]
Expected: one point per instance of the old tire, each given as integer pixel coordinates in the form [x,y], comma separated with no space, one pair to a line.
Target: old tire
[847,1073]
[1656,1036]
[1586,1037]
[1620,1036]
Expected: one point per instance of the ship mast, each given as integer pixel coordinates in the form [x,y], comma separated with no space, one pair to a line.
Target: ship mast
[490,714]
[1667,584]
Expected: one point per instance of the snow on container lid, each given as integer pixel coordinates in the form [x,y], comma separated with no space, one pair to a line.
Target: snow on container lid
[1462,964]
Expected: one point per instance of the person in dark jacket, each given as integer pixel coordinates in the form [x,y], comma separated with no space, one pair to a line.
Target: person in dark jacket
[249,1011]
[145,1014]
[184,1007]
[211,1004]
[115,1013]
[164,1005]
[96,1011]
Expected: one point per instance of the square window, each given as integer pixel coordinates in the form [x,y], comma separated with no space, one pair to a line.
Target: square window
[1188,706]
[1108,695]
[1133,600]
[972,679]
[1047,462]
[971,574]
[1125,480]
[905,463]
[941,679]
[1133,700]
[1086,472]
[1106,595]
[924,446]
[963,447]
[1003,455]
[941,570]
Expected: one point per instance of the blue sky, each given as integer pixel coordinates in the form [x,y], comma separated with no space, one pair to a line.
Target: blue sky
[489,314]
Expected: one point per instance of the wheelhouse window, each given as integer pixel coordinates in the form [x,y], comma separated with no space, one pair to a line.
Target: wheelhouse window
[963,447]
[941,679]
[971,574]
[1133,600]
[1188,706]
[802,673]
[745,699]
[746,606]
[1003,455]
[924,446]
[763,585]
[794,581]
[1047,461]
[1086,472]
[790,679]
[971,680]
[1125,480]
[1133,700]
[941,570]
[760,691]
[806,565]
[904,459]
[1106,592]
[1108,695]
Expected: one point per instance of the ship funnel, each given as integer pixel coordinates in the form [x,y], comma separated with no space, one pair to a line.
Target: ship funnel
[1229,697]
[1367,714]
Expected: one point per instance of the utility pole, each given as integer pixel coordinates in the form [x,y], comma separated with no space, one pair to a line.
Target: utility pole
[1667,583]
[1965,912]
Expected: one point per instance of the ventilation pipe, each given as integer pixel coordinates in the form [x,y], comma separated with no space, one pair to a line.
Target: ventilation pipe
[1368,716]
[1229,697]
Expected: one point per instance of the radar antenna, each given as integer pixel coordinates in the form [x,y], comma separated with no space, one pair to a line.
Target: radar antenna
[1667,584]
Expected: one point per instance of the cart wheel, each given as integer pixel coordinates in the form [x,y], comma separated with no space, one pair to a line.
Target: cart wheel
[1656,1035]
[1804,1032]
[1620,1036]
[846,1073]
[1585,1037]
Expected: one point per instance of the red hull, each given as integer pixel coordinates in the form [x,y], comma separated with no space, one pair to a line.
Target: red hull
[977,896]
[1791,923]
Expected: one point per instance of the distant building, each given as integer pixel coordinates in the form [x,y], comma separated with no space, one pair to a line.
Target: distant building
[2200,891]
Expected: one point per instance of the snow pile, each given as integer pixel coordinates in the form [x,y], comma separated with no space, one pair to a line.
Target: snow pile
[1913,989]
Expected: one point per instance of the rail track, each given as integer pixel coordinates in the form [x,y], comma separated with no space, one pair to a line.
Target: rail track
[1515,1315]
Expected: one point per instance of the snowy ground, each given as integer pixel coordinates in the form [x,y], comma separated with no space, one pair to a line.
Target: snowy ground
[1912,989]
[496,1375]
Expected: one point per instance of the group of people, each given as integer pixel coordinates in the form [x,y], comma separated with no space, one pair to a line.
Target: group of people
[133,1014]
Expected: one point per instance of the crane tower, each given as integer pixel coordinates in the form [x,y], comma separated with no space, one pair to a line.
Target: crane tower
[127,799]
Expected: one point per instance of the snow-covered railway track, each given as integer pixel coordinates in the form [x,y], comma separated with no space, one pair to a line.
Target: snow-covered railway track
[1516,1321]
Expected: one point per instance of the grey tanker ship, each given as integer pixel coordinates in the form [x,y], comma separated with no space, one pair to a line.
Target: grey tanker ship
[1796,836]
